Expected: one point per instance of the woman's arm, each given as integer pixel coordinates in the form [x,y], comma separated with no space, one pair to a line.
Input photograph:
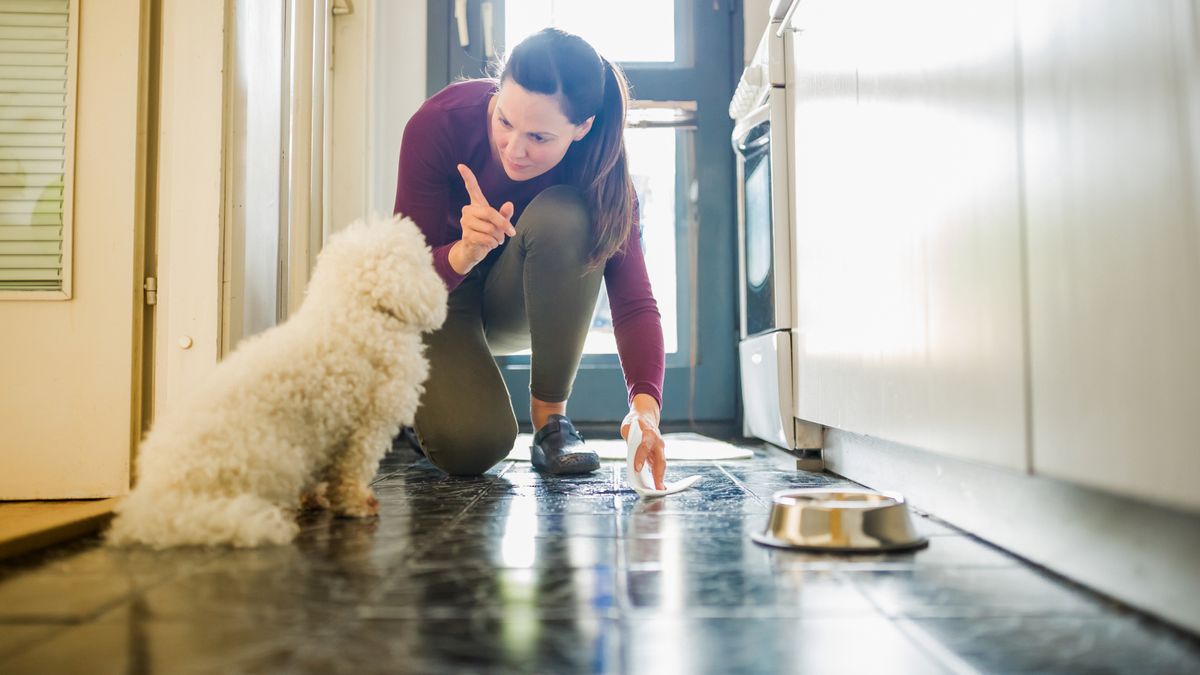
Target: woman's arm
[423,185]
[637,324]
[638,328]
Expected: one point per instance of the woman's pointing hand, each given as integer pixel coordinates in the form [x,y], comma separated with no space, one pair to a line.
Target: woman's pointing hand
[483,227]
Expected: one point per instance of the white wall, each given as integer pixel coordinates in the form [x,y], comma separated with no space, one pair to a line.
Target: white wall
[379,81]
[755,12]
[399,79]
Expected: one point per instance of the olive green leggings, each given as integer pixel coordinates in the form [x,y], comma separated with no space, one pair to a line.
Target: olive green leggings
[536,294]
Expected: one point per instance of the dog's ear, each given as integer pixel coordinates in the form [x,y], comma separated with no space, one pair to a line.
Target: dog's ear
[410,288]
[380,265]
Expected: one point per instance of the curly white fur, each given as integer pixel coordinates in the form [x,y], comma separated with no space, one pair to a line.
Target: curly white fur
[309,406]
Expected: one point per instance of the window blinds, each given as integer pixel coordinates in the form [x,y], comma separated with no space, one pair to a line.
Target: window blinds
[34,58]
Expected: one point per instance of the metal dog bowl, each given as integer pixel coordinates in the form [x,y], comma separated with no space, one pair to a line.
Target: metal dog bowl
[817,519]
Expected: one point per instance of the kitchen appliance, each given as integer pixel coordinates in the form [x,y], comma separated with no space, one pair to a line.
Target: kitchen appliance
[845,521]
[759,110]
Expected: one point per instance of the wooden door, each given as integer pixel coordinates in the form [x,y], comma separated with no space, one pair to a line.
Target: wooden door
[70,365]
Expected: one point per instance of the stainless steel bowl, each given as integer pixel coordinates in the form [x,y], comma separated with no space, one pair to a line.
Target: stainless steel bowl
[840,521]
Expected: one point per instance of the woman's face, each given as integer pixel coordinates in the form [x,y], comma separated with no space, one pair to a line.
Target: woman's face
[529,131]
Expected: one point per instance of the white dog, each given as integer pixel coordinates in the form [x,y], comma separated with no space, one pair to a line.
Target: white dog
[308,407]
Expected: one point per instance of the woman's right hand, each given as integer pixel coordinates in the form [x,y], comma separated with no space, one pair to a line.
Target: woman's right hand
[483,227]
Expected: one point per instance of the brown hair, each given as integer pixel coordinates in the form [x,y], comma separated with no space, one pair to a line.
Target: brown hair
[560,64]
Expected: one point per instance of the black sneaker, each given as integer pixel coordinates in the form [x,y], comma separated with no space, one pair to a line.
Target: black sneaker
[558,448]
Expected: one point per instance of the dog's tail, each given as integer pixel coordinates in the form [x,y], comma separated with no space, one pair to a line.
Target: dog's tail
[161,520]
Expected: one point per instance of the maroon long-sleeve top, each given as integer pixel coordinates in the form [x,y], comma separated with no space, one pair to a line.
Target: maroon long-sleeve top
[451,128]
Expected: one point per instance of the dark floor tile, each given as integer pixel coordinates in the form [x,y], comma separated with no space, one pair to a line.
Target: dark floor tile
[562,504]
[523,475]
[552,489]
[511,642]
[139,565]
[15,638]
[656,524]
[852,644]
[543,524]
[288,595]
[322,528]
[694,552]
[461,493]
[515,642]
[764,482]
[518,549]
[396,503]
[945,592]
[35,596]
[462,591]
[514,571]
[735,592]
[1063,645]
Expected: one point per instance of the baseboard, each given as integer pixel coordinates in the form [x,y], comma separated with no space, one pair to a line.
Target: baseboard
[27,526]
[1141,554]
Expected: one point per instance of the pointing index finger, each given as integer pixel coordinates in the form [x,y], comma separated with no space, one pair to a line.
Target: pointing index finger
[472,185]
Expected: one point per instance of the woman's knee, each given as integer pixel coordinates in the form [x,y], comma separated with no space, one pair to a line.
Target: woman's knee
[560,213]
[468,449]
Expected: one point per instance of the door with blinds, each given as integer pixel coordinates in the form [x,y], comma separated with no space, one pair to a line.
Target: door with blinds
[72,204]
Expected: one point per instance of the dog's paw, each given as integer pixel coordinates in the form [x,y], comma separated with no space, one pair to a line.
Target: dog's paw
[360,502]
[315,497]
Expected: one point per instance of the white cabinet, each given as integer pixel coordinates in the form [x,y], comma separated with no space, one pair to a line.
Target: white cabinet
[1112,184]
[908,252]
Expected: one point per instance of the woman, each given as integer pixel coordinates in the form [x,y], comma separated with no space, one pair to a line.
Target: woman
[522,190]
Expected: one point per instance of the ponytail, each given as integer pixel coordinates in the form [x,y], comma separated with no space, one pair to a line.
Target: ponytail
[600,170]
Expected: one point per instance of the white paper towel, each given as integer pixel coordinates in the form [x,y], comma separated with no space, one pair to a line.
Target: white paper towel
[643,482]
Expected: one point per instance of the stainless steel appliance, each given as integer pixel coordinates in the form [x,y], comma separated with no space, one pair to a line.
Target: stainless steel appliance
[759,109]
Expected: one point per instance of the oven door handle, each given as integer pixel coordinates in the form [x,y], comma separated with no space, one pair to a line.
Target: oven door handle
[747,124]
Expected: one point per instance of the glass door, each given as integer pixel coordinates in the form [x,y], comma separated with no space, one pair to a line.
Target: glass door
[683,171]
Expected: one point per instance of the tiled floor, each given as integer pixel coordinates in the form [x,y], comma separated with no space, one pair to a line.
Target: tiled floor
[515,572]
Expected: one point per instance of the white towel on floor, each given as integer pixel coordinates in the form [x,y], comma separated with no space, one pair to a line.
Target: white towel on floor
[642,481]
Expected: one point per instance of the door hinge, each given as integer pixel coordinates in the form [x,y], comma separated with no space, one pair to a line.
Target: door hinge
[150,286]
[342,7]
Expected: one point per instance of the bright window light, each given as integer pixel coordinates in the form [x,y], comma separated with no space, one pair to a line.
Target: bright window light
[651,154]
[609,26]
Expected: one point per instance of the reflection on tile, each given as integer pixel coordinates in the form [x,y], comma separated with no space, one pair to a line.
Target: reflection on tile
[548,504]
[516,641]
[35,596]
[651,522]
[518,549]
[1063,644]
[733,592]
[518,572]
[543,524]
[15,638]
[764,483]
[852,644]
[964,592]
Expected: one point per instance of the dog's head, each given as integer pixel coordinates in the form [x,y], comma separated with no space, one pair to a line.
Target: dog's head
[382,266]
